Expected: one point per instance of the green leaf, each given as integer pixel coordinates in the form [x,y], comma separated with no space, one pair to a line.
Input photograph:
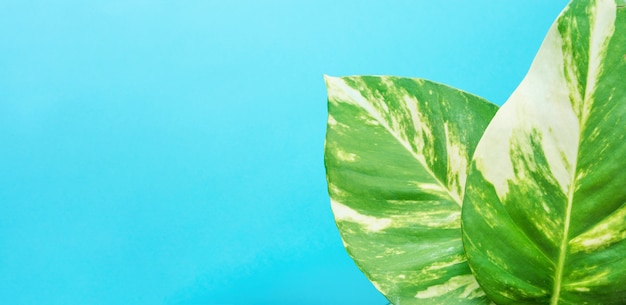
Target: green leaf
[396,156]
[544,214]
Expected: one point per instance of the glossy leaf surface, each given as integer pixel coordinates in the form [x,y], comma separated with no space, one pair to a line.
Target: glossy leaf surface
[544,213]
[397,152]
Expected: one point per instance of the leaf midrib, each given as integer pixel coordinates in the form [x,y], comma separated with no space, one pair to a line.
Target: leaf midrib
[408,147]
[558,279]
[590,86]
[371,110]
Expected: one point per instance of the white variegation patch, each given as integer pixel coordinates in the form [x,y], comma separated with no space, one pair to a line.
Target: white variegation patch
[331,120]
[457,163]
[345,156]
[593,279]
[340,92]
[431,188]
[333,123]
[457,259]
[454,283]
[443,219]
[369,223]
[607,232]
[492,155]
[531,108]
[422,130]
[335,191]
[602,30]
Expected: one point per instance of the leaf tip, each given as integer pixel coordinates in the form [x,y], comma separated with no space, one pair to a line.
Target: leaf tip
[328,79]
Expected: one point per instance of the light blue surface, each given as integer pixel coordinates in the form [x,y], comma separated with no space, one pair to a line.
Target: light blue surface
[171,152]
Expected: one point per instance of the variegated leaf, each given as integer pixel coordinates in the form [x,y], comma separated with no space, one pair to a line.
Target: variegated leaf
[544,213]
[397,153]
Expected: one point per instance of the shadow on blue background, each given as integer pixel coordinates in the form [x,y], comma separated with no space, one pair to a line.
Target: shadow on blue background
[171,152]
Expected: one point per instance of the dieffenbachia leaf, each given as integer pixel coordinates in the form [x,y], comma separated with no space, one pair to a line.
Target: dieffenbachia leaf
[396,154]
[544,213]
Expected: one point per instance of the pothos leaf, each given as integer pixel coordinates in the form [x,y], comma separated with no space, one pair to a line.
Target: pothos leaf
[397,153]
[544,214]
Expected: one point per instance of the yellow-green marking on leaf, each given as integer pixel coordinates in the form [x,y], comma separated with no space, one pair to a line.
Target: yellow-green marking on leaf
[397,152]
[544,212]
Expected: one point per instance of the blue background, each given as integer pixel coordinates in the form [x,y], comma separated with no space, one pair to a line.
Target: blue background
[171,152]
